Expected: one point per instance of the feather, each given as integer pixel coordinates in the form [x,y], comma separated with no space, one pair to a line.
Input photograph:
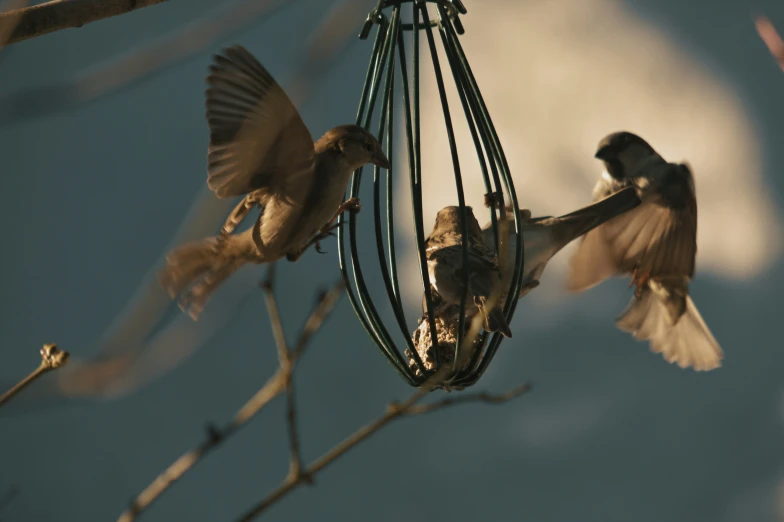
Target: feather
[257,137]
[687,342]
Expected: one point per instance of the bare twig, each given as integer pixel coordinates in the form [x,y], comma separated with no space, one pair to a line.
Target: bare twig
[41,19]
[394,411]
[330,40]
[109,373]
[274,314]
[287,365]
[770,38]
[274,386]
[482,397]
[8,22]
[52,358]
[280,382]
[136,66]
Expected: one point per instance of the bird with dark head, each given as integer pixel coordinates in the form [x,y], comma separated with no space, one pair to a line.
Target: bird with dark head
[621,152]
[445,268]
[261,149]
[655,243]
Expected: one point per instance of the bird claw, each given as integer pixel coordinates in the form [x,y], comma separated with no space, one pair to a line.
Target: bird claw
[328,231]
[351,204]
[323,234]
[191,303]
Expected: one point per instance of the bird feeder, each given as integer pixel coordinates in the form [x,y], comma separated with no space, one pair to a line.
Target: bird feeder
[391,62]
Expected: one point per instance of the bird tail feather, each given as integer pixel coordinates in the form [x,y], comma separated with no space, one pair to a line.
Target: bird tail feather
[496,322]
[687,341]
[195,270]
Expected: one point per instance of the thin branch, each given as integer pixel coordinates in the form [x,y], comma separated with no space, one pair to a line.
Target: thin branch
[52,358]
[316,319]
[330,40]
[771,38]
[41,19]
[482,397]
[295,456]
[280,382]
[287,365]
[394,411]
[274,315]
[9,22]
[136,66]
[274,386]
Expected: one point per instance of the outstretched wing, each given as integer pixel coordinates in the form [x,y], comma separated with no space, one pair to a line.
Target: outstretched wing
[658,238]
[257,138]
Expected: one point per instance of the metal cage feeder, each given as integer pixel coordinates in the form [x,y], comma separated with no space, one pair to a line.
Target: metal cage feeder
[389,57]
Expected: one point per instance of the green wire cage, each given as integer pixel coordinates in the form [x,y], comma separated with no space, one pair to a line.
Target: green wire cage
[389,64]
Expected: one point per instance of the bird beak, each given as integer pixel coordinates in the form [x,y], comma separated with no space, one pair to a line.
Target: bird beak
[605,153]
[381,160]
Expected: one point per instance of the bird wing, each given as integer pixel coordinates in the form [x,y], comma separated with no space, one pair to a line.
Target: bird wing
[483,270]
[570,226]
[688,342]
[257,138]
[655,239]
[608,185]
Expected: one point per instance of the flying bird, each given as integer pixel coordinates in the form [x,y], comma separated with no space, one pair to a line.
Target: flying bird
[260,148]
[656,243]
[445,268]
[544,237]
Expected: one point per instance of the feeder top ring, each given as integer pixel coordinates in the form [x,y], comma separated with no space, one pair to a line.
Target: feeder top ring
[453,9]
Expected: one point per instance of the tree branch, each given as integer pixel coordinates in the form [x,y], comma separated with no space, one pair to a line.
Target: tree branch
[771,38]
[271,389]
[52,358]
[8,23]
[394,411]
[41,19]
[281,382]
[329,42]
[135,66]
[285,360]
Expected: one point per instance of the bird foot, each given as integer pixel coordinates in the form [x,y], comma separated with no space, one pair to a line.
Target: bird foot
[192,301]
[324,233]
[351,204]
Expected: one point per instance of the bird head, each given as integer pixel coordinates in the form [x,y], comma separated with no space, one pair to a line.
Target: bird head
[448,222]
[622,152]
[355,147]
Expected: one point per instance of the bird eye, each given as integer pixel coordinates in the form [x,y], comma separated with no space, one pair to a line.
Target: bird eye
[368,146]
